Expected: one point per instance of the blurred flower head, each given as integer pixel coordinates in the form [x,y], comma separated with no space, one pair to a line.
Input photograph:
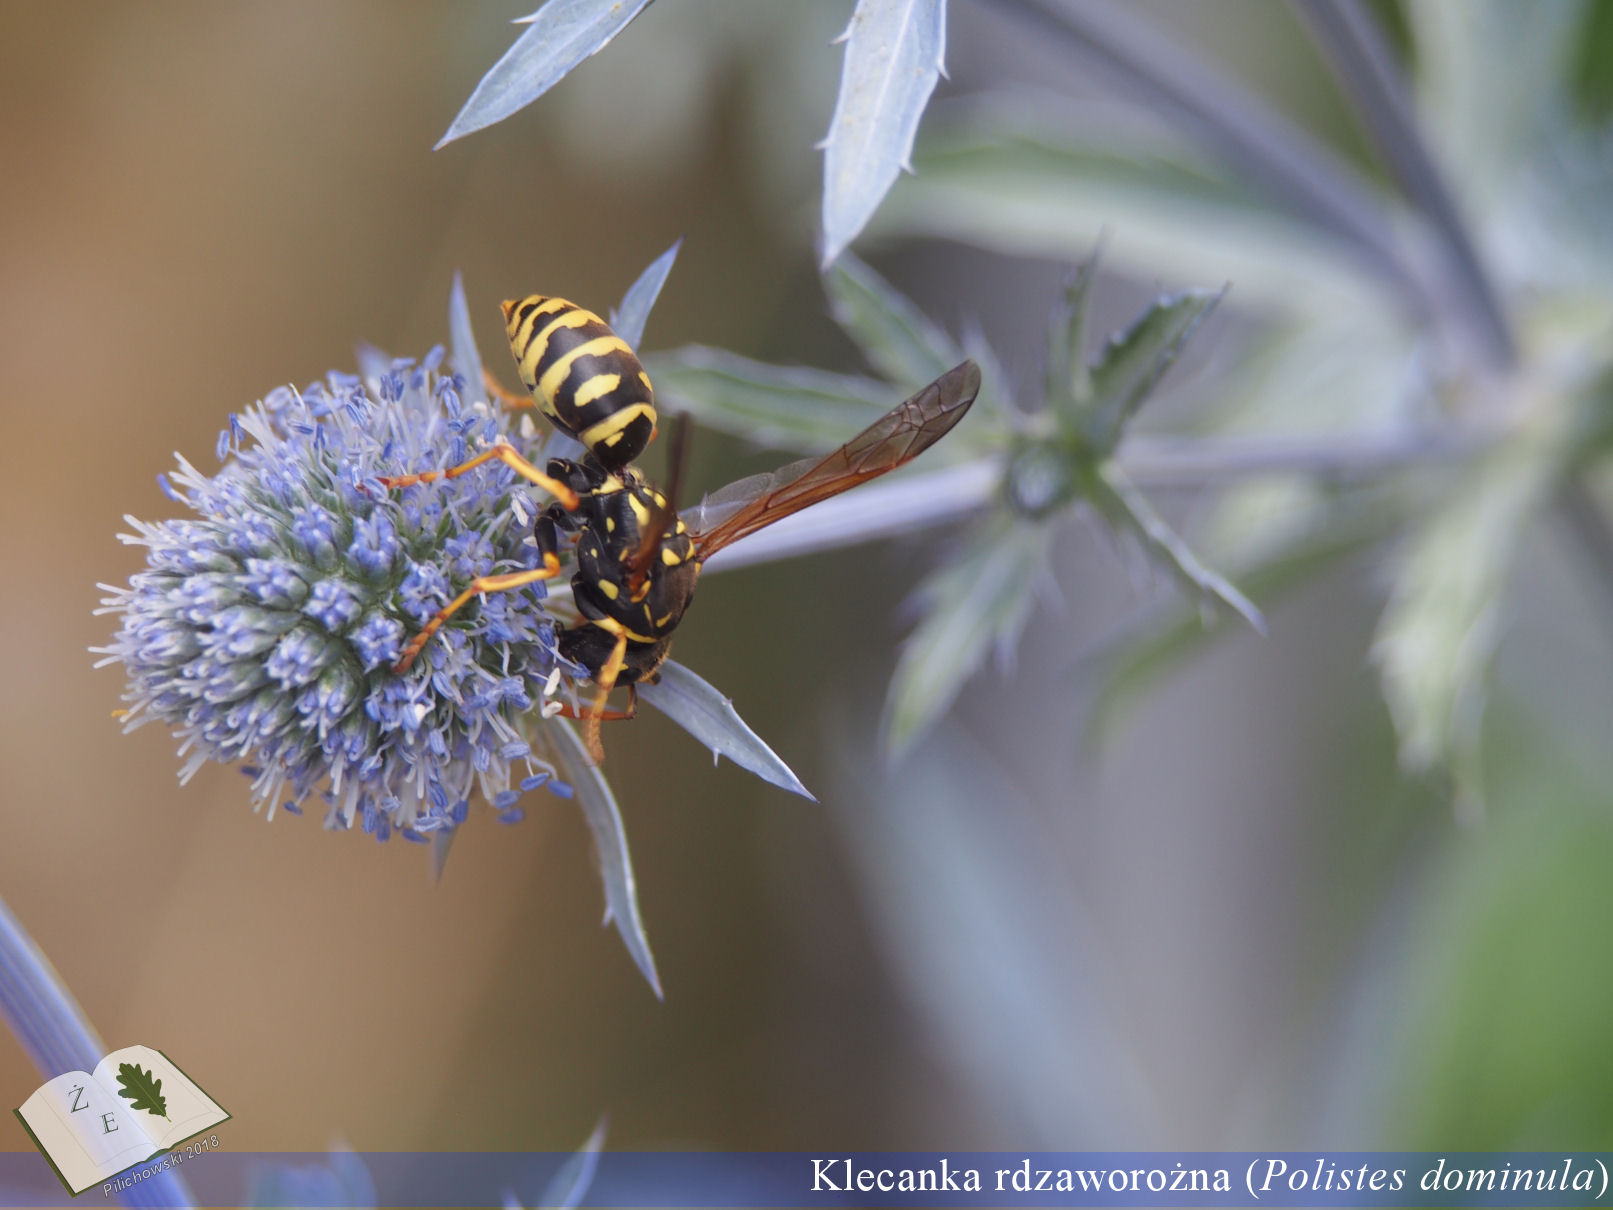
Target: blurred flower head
[264,627]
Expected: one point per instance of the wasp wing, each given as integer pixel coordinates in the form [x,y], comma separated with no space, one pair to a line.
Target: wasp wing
[894,439]
[723,503]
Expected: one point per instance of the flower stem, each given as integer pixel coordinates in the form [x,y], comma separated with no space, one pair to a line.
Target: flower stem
[1353,45]
[1249,135]
[1176,462]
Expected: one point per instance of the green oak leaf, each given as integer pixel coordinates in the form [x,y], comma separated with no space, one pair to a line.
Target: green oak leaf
[142,1088]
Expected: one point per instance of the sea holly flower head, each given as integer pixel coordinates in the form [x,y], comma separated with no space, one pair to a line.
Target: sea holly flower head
[265,626]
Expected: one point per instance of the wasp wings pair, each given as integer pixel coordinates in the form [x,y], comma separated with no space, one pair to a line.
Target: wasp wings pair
[895,439]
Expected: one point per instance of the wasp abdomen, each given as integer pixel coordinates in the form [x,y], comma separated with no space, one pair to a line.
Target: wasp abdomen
[584,377]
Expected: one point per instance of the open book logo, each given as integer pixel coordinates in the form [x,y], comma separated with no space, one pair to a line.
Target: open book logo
[135,1106]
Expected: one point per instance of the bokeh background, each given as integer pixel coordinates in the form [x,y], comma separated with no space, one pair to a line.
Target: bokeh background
[1222,920]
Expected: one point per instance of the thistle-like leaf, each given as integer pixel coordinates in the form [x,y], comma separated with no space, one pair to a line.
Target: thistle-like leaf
[894,52]
[785,407]
[1442,622]
[568,1185]
[1127,510]
[610,841]
[629,319]
[442,843]
[972,892]
[996,396]
[342,1180]
[710,717]
[897,338]
[373,363]
[1158,641]
[558,37]
[142,1089]
[1132,363]
[1069,382]
[1492,77]
[462,354]
[1013,179]
[977,601]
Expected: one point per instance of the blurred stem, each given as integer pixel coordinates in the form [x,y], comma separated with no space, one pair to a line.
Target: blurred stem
[40,1010]
[1364,66]
[59,1038]
[1248,134]
[941,497]
[1589,525]
[1177,461]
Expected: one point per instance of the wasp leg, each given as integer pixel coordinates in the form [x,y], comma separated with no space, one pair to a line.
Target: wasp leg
[513,401]
[504,453]
[503,583]
[567,710]
[606,680]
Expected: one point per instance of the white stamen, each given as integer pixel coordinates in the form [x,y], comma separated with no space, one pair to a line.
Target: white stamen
[550,709]
[553,683]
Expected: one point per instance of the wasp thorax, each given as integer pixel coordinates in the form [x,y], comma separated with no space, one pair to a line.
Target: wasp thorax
[582,376]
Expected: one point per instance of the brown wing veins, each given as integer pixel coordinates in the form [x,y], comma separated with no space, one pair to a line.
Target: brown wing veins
[893,440]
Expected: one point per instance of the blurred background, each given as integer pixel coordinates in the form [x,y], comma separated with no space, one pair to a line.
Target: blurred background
[1221,919]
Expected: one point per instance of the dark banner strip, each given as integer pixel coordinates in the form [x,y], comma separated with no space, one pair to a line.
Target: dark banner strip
[811,1179]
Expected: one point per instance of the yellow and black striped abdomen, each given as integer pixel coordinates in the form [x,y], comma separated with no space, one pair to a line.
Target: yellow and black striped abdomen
[583,376]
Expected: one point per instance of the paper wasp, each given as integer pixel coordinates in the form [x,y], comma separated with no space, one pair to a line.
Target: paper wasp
[637,560]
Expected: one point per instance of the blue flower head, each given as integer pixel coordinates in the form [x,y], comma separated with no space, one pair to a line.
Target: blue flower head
[265,626]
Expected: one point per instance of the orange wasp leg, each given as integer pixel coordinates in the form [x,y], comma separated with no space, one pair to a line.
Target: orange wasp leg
[504,453]
[567,710]
[503,583]
[513,401]
[606,680]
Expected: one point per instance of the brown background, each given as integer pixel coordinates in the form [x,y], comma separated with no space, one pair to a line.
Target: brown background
[201,201]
